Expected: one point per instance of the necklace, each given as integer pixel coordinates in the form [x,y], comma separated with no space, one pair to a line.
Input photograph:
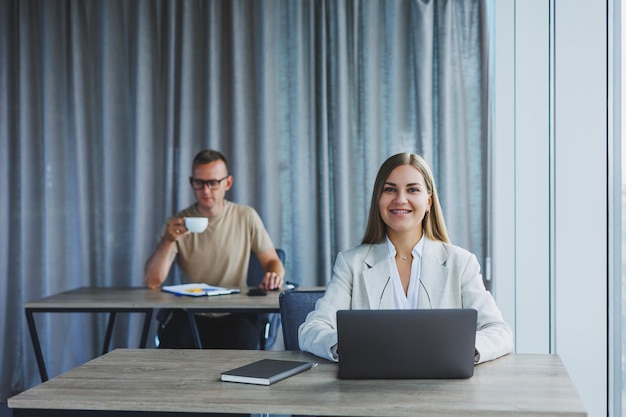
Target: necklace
[404,258]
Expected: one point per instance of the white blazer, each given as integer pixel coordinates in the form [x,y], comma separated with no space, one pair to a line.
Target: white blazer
[451,279]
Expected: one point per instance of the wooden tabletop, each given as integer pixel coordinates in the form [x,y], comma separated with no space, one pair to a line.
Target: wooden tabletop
[92,298]
[187,381]
[140,299]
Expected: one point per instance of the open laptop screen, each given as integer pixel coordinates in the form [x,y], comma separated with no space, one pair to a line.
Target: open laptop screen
[416,344]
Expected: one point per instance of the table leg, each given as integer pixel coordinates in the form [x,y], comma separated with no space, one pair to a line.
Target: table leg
[36,345]
[194,329]
[109,332]
[146,329]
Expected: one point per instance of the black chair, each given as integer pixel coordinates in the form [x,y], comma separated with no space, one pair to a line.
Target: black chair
[294,307]
[270,321]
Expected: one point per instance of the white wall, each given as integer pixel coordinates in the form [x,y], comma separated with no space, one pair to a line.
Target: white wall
[550,183]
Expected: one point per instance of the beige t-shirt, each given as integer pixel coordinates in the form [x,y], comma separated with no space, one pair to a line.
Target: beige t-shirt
[220,255]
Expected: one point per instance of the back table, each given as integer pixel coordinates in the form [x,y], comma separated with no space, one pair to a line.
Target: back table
[138,300]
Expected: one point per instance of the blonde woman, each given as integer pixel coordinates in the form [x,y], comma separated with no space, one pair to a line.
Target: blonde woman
[405,261]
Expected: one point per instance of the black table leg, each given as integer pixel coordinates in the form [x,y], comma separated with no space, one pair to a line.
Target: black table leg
[146,329]
[194,329]
[109,332]
[36,345]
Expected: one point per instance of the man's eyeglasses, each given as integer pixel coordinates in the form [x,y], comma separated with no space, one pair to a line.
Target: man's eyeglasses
[197,184]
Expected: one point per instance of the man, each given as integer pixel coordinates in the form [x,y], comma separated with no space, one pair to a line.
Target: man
[218,256]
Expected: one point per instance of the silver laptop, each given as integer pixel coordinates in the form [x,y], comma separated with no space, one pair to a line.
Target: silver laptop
[416,344]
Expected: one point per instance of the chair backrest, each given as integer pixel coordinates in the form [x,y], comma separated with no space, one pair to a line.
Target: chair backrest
[255,270]
[294,307]
[270,321]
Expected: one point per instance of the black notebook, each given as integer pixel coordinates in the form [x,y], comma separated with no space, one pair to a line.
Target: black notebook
[266,371]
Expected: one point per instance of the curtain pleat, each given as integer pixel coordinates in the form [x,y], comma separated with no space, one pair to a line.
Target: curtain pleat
[103,105]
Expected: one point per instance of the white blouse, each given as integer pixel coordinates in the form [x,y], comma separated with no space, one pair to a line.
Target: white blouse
[400,300]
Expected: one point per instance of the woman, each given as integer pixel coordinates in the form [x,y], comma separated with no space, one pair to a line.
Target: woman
[405,261]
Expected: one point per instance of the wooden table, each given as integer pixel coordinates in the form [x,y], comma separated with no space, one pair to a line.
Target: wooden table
[171,382]
[138,300]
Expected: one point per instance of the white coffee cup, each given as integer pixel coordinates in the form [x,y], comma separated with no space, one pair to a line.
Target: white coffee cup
[196,224]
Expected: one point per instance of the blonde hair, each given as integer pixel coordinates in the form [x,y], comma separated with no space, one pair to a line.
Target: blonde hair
[433,224]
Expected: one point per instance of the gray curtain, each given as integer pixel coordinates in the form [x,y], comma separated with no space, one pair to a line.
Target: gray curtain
[103,105]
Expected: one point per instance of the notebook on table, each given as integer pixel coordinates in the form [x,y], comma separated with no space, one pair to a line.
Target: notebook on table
[416,344]
[266,371]
[198,290]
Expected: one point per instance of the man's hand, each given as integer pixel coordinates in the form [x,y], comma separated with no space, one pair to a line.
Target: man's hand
[158,265]
[175,229]
[271,281]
